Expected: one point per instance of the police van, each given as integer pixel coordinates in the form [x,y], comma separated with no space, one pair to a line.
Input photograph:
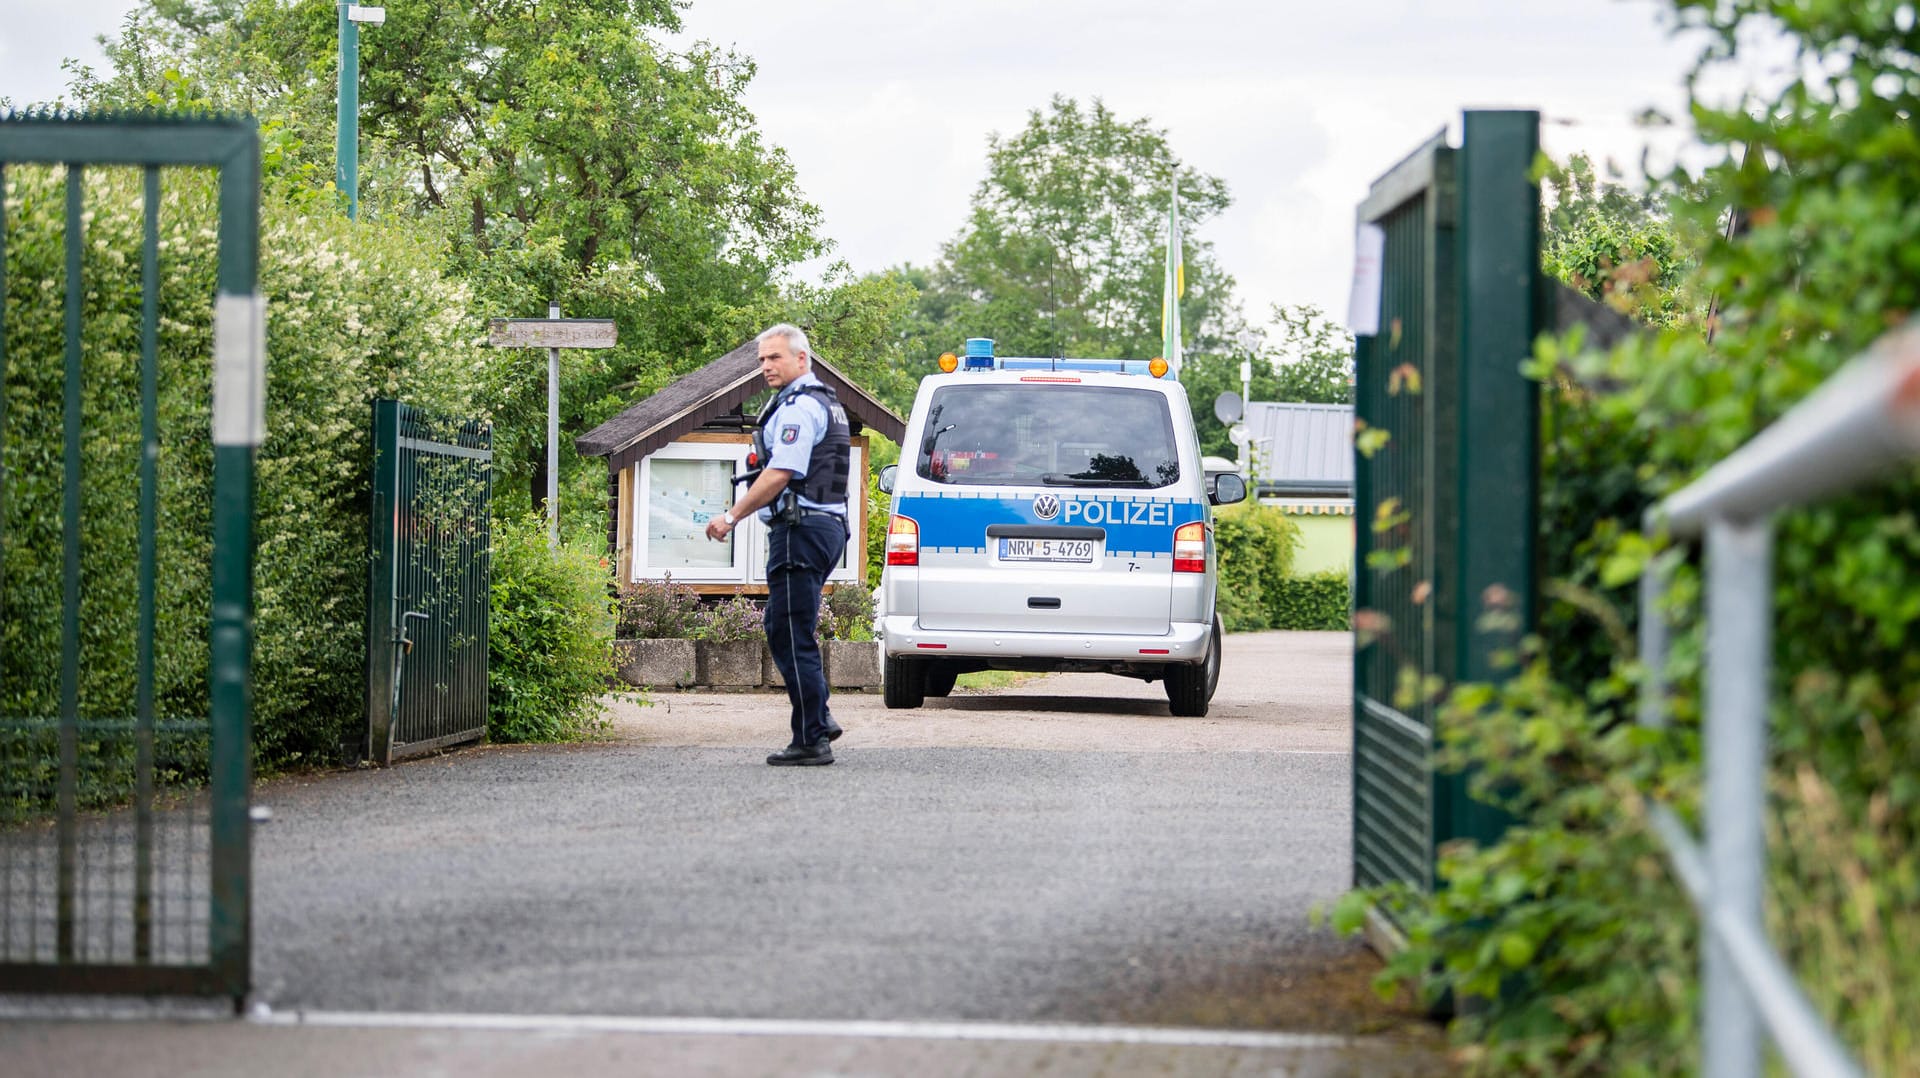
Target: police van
[1051,515]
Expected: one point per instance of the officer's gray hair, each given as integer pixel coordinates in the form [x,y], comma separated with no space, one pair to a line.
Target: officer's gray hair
[796,337]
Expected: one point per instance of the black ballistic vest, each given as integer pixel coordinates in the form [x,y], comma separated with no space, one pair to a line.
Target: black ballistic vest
[830,463]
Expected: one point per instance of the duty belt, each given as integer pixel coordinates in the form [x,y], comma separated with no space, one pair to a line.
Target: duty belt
[806,512]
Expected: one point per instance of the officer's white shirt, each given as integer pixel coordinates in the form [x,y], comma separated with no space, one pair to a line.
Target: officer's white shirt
[791,433]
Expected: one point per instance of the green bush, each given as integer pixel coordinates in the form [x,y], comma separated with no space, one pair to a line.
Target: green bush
[550,636]
[353,312]
[1571,929]
[880,453]
[846,613]
[1255,544]
[1323,600]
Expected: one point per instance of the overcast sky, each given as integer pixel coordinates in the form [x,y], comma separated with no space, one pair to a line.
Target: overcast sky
[885,105]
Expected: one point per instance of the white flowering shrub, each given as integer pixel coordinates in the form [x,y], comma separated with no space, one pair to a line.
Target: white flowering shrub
[354,311]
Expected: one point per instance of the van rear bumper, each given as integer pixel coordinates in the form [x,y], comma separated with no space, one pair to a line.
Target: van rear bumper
[1186,643]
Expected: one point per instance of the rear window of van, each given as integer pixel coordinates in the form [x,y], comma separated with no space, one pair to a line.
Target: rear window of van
[1048,435]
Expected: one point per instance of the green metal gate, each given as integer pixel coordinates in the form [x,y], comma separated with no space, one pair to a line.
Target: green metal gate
[125,859]
[1446,502]
[428,587]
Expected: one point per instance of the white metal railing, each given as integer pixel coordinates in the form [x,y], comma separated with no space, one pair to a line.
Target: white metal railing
[1859,425]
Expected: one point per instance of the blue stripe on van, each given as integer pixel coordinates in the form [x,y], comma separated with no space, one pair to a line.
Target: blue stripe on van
[1140,526]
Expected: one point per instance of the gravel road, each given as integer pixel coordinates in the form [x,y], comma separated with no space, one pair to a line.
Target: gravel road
[1063,850]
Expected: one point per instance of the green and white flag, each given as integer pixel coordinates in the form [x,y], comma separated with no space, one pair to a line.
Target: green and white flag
[1176,287]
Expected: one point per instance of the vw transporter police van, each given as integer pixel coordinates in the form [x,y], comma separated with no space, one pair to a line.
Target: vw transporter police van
[1051,515]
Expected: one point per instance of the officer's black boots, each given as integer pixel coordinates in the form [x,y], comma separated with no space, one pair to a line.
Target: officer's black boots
[814,755]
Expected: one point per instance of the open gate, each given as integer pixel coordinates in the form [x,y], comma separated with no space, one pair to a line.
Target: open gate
[125,857]
[428,589]
[1445,504]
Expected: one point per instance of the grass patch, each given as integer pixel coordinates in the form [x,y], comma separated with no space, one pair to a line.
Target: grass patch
[993,679]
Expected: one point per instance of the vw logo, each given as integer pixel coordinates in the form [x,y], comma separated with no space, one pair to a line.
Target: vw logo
[1046,507]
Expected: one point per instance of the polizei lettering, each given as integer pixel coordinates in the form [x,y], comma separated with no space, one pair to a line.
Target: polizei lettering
[1087,511]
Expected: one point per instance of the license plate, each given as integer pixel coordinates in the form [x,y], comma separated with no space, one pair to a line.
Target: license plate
[1068,550]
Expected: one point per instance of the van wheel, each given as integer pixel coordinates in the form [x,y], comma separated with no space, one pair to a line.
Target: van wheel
[1213,660]
[903,683]
[1190,688]
[940,679]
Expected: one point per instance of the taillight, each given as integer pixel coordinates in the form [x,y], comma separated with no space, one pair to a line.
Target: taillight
[1190,548]
[903,541]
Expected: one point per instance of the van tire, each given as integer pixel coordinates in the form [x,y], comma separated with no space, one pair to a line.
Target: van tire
[1213,662]
[903,682]
[1190,688]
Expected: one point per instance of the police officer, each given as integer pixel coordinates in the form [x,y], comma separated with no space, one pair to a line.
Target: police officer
[803,446]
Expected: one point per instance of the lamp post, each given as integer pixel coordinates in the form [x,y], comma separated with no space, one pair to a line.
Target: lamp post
[1246,395]
[346,139]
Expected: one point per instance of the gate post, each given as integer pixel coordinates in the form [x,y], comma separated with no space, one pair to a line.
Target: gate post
[1445,489]
[383,615]
[1502,310]
[239,426]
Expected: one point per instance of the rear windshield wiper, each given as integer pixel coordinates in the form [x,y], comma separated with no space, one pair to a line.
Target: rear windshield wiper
[933,433]
[1062,479]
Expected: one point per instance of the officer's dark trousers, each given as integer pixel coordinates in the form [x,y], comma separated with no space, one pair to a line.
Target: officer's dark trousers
[799,557]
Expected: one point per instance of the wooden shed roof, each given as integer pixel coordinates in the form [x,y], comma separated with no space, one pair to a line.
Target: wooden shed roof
[707,394]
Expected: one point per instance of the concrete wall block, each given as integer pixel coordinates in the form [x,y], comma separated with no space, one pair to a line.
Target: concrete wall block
[852,664]
[735,665]
[662,664]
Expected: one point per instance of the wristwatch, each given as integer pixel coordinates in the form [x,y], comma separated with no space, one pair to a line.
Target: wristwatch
[729,518]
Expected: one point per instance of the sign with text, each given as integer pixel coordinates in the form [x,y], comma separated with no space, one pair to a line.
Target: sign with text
[1363,304]
[551,333]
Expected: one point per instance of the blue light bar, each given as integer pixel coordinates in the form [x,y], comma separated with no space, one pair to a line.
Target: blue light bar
[1106,366]
[979,355]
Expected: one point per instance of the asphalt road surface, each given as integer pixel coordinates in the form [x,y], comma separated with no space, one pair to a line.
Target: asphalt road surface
[1061,851]
[1033,854]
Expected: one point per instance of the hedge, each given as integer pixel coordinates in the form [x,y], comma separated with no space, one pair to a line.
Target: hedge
[1319,601]
[549,633]
[1255,545]
[353,311]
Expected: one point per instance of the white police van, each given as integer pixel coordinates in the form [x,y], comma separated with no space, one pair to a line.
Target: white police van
[1048,515]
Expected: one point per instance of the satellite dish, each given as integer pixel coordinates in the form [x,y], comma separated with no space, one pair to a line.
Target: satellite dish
[1227,407]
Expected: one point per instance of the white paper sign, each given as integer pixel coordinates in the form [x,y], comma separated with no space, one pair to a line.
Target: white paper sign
[239,369]
[375,15]
[1363,305]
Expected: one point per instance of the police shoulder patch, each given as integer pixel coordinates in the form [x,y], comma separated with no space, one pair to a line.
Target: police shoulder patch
[789,434]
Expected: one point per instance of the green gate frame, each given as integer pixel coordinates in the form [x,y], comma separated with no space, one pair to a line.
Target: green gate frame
[232,146]
[1462,300]
[428,573]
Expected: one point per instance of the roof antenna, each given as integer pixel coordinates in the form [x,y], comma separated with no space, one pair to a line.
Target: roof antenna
[1053,306]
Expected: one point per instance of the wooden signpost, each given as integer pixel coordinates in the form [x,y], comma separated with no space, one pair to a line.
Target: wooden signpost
[552,333]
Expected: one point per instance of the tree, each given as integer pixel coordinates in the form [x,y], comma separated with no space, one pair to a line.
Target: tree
[1312,364]
[1611,243]
[1313,361]
[1062,253]
[562,150]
